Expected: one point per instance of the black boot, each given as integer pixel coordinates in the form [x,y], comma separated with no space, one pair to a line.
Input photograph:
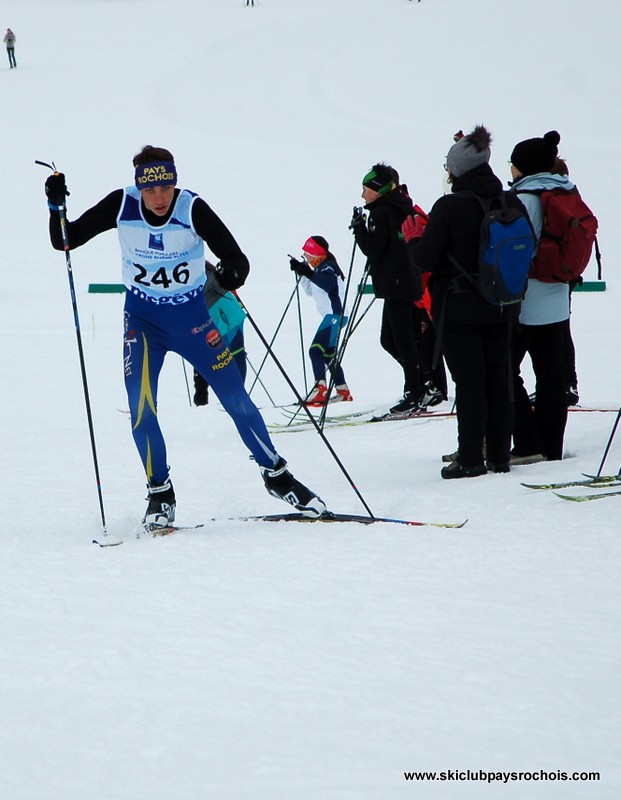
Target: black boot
[455,470]
[160,512]
[280,483]
[201,390]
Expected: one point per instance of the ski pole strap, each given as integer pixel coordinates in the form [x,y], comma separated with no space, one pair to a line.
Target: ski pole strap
[598,258]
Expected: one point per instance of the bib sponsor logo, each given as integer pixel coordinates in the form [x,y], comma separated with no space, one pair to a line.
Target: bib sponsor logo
[156,241]
[213,338]
[201,328]
[223,360]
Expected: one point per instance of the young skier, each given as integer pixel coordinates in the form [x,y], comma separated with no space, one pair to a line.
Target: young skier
[162,231]
[322,279]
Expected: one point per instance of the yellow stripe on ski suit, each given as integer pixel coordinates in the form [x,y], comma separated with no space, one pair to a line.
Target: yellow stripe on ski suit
[146,394]
[146,397]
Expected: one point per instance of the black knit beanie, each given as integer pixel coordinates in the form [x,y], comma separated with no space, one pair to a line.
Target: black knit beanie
[536,155]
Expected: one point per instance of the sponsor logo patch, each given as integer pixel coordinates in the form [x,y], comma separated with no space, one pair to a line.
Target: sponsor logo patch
[156,241]
[201,328]
[213,338]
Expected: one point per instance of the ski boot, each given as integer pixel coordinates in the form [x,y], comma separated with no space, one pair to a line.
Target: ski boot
[280,483]
[160,512]
[318,396]
[343,394]
[432,396]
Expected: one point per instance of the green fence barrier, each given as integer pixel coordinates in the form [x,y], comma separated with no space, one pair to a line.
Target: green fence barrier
[106,288]
[591,286]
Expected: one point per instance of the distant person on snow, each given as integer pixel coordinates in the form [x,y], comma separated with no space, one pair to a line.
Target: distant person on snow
[322,279]
[162,231]
[9,41]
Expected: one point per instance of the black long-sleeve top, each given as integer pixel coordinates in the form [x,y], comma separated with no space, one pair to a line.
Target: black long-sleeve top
[207,224]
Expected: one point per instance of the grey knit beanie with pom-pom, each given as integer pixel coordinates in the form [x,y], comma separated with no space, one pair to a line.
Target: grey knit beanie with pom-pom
[469,152]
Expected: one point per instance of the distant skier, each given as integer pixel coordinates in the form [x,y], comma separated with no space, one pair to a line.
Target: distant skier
[9,41]
[322,279]
[251,2]
[162,231]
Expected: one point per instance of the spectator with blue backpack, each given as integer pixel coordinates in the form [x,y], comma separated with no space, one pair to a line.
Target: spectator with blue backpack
[475,332]
[539,431]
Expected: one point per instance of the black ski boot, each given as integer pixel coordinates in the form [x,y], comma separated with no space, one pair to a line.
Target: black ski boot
[432,396]
[201,390]
[160,512]
[280,483]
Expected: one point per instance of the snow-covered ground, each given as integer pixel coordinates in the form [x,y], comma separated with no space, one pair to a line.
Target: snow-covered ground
[256,661]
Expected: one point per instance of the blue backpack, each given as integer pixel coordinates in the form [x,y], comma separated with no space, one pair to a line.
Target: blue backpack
[506,249]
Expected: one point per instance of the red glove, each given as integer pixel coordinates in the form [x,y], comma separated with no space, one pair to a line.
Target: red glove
[414,227]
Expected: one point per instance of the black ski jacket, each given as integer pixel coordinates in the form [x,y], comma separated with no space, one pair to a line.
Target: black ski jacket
[392,272]
[454,227]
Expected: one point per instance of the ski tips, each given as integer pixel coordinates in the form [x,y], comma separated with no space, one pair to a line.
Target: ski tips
[107,541]
[51,166]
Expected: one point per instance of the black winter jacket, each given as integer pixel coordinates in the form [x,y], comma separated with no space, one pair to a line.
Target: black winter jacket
[454,226]
[392,273]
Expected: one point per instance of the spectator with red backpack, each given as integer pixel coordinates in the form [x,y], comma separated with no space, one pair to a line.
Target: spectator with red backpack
[563,225]
[395,278]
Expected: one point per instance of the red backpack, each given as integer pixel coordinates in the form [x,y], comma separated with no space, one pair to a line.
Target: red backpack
[567,236]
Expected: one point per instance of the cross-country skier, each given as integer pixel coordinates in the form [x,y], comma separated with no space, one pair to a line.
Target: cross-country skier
[322,279]
[162,230]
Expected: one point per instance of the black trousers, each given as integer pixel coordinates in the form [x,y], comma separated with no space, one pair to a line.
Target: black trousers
[476,342]
[397,337]
[542,429]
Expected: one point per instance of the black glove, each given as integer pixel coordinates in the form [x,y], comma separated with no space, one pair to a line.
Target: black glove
[56,189]
[358,219]
[232,275]
[300,268]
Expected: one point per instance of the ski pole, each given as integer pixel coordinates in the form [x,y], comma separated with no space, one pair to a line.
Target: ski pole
[297,295]
[598,258]
[62,213]
[263,386]
[308,413]
[340,353]
[282,319]
[187,384]
[610,440]
[333,366]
